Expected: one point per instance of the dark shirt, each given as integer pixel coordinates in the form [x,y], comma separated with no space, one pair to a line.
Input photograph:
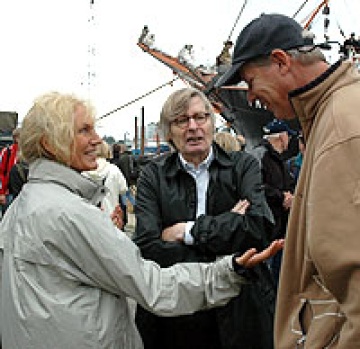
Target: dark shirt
[18,177]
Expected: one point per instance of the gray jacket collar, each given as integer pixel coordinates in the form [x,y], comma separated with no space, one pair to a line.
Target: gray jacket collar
[44,170]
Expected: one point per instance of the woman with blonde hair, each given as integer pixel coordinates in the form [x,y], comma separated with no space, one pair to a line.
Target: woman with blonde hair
[67,269]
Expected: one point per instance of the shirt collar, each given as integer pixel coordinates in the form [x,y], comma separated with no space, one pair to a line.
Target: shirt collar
[203,165]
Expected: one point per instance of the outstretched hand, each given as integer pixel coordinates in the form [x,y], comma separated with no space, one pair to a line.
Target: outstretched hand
[251,257]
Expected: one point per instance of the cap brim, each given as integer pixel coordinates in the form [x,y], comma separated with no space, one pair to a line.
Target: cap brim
[230,77]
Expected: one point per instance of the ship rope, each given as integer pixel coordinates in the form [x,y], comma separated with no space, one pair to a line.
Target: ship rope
[138,98]
[237,20]
[300,8]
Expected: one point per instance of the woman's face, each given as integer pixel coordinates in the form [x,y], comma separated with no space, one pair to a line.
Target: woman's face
[83,151]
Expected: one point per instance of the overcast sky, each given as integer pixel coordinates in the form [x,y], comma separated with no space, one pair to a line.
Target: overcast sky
[45,47]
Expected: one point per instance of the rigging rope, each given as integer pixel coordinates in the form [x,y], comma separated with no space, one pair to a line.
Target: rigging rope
[300,8]
[137,99]
[237,19]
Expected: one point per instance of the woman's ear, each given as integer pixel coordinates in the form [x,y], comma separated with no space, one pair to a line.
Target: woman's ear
[45,144]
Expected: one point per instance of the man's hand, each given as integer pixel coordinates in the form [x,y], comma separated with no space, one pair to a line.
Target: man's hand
[251,257]
[288,199]
[174,233]
[241,207]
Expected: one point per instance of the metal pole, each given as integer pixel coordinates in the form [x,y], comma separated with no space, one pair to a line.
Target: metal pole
[142,131]
[136,133]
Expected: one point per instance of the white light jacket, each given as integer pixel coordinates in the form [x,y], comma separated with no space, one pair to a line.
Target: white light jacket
[67,270]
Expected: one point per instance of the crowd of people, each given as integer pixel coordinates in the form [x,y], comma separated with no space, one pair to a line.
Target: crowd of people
[233,248]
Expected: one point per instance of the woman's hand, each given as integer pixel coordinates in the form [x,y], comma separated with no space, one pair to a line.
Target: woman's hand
[251,257]
[117,217]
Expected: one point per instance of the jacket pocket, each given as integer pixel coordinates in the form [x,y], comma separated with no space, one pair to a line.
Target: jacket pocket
[317,323]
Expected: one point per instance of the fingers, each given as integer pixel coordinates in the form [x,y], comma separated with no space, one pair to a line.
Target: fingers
[268,252]
[245,257]
[251,258]
[241,207]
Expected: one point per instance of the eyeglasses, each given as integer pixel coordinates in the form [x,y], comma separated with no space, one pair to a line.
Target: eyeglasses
[184,120]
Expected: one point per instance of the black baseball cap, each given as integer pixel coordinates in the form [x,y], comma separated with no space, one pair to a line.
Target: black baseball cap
[259,38]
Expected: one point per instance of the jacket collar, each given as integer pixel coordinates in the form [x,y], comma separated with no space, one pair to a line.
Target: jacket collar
[307,100]
[44,170]
[173,163]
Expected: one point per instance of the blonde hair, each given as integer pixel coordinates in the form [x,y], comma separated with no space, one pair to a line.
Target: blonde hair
[51,119]
[227,141]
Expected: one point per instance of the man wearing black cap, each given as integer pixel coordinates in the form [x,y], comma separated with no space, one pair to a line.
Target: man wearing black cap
[318,303]
[278,184]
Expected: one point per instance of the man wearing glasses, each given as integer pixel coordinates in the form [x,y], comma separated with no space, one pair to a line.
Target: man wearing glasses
[195,205]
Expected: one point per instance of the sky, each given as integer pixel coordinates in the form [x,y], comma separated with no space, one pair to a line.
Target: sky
[73,46]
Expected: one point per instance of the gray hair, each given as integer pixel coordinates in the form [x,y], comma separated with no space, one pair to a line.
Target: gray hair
[177,104]
[305,55]
[51,119]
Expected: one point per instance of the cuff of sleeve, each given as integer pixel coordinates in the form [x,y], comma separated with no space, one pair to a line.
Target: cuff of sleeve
[247,273]
[188,238]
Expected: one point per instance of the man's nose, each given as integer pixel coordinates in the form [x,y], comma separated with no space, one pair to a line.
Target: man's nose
[192,123]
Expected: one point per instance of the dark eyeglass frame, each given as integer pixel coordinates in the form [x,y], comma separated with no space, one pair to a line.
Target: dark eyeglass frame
[183,121]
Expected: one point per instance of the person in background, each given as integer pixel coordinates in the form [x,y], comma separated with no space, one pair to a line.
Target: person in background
[67,268]
[111,177]
[18,176]
[121,158]
[318,303]
[186,56]
[8,156]
[144,33]
[196,204]
[223,60]
[351,44]
[278,183]
[295,162]
[124,160]
[227,141]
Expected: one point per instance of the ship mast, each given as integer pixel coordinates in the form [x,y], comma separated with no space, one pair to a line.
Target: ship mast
[91,71]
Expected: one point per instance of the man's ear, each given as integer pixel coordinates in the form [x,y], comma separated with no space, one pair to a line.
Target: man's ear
[169,140]
[280,58]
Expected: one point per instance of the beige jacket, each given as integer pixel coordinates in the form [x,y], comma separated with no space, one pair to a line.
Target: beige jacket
[319,294]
